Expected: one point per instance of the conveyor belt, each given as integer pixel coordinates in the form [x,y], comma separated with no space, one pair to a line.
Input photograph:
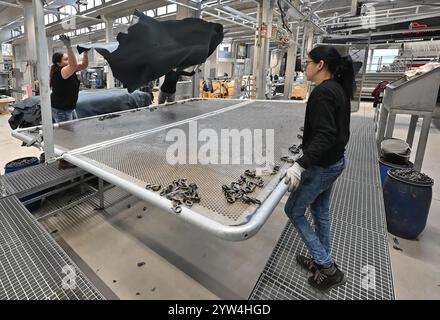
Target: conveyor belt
[31,262]
[359,234]
[37,178]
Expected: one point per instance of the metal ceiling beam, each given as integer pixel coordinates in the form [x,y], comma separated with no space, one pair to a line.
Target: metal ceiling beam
[393,21]
[10,4]
[387,13]
[307,17]
[381,33]
[220,3]
[111,12]
[301,16]
[218,15]
[239,13]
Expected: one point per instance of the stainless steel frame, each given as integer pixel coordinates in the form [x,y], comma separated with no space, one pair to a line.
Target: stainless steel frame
[255,220]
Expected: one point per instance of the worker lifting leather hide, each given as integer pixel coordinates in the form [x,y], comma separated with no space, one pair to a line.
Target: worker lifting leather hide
[151,48]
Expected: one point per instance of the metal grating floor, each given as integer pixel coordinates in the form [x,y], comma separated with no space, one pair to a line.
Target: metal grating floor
[359,233]
[31,262]
[38,178]
[143,160]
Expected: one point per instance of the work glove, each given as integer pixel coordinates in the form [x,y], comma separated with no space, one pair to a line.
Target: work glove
[66,41]
[293,176]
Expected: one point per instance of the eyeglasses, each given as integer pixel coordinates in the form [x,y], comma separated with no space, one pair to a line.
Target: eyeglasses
[305,63]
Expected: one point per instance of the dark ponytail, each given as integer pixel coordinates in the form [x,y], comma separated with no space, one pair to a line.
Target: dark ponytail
[56,58]
[340,67]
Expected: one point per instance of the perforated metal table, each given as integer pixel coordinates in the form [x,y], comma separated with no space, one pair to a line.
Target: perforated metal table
[130,150]
[134,153]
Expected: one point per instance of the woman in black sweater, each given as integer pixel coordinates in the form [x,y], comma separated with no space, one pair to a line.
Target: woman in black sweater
[65,83]
[310,179]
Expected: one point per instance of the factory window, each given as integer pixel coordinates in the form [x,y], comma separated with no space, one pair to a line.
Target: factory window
[68,9]
[150,13]
[162,11]
[172,8]
[90,4]
[7,49]
[17,32]
[50,18]
[123,20]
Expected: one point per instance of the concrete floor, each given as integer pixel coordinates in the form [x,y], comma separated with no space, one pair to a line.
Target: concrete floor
[191,264]
[416,269]
[113,243]
[10,147]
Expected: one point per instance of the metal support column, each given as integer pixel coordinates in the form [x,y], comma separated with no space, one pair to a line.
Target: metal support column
[82,187]
[370,63]
[264,33]
[197,77]
[423,139]
[303,42]
[109,37]
[412,130]
[256,52]
[43,76]
[309,39]
[364,69]
[187,9]
[31,51]
[101,193]
[308,35]
[291,64]
[187,12]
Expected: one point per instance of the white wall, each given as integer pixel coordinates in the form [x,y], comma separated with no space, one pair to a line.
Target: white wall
[224,67]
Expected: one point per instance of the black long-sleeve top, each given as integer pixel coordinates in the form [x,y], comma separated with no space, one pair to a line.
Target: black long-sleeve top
[171,78]
[326,125]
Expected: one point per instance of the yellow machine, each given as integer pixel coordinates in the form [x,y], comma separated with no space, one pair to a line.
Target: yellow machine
[220,89]
[299,91]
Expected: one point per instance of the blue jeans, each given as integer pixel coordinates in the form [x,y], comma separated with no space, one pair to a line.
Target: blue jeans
[62,115]
[314,191]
